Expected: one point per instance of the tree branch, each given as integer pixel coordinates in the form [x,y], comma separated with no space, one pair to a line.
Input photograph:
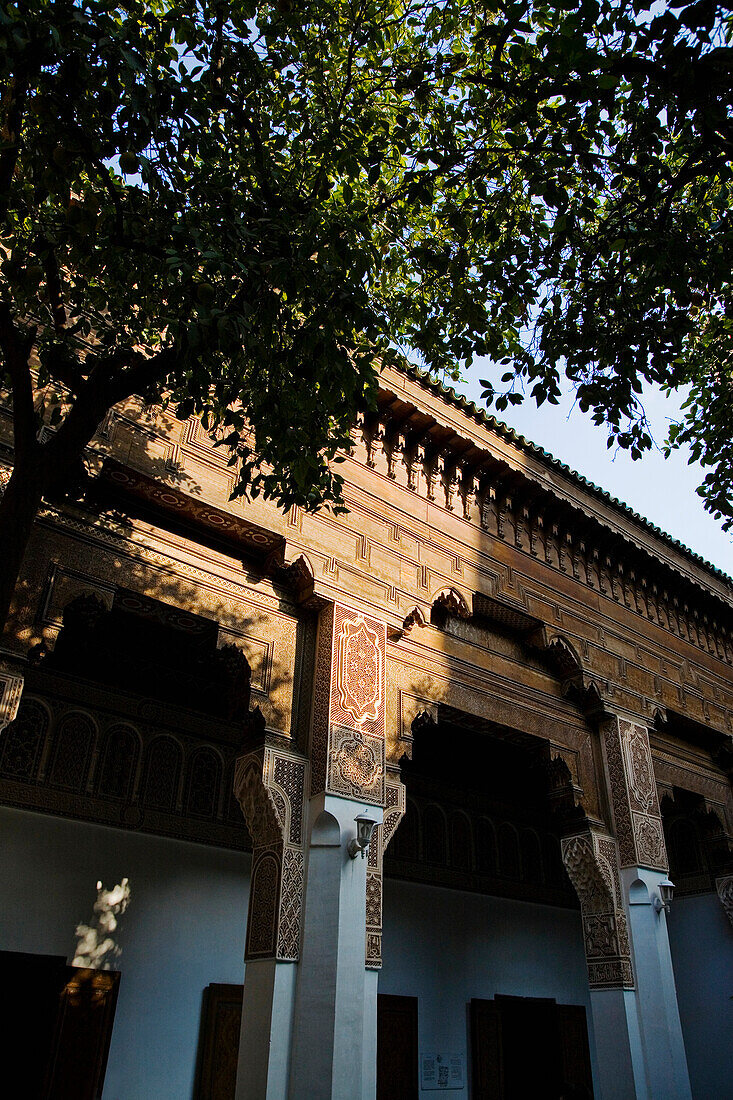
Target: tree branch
[16,347]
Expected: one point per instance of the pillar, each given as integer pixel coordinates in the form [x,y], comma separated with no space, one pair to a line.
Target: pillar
[591,860]
[634,1002]
[335,1026]
[270,782]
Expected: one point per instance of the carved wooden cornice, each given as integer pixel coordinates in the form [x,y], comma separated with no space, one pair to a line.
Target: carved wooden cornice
[535,515]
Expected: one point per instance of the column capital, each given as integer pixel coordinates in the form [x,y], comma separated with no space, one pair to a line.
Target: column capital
[269,784]
[591,860]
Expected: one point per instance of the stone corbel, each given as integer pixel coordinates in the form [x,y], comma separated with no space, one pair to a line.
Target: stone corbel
[11,689]
[269,784]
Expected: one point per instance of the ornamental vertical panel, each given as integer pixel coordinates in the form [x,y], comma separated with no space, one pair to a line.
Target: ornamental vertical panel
[348,731]
[394,811]
[269,785]
[634,795]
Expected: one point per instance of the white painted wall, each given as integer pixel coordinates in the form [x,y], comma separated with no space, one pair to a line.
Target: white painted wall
[186,923]
[184,929]
[446,947]
[701,940]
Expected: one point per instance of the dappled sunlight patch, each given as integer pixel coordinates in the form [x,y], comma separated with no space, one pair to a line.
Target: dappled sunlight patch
[96,947]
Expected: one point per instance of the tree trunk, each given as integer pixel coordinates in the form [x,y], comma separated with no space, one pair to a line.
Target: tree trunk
[18,507]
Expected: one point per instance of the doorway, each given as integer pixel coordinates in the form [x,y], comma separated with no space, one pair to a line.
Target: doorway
[529,1047]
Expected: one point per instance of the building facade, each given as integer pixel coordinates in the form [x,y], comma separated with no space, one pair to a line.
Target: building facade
[521,686]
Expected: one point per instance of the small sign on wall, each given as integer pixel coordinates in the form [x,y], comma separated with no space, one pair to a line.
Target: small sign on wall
[441,1071]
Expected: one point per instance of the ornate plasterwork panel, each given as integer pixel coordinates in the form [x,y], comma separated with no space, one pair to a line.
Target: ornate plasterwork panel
[393,813]
[634,795]
[11,689]
[348,728]
[592,864]
[269,784]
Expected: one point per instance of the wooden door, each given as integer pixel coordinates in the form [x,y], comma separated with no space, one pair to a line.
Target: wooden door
[486,1051]
[529,1047]
[397,1048]
[82,1036]
[576,1068]
[56,1036]
[219,1042]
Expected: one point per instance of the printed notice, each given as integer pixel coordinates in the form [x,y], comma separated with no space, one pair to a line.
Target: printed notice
[441,1071]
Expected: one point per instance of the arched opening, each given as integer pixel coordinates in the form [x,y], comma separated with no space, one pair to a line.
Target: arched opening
[478,908]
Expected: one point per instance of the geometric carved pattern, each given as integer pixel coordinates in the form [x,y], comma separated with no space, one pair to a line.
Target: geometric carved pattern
[11,689]
[269,784]
[162,774]
[634,794]
[348,725]
[132,775]
[592,864]
[22,742]
[72,752]
[724,886]
[394,811]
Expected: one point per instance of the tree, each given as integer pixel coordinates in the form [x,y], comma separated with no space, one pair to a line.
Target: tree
[242,207]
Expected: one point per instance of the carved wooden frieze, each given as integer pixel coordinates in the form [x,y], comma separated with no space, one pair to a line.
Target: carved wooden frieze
[634,795]
[269,784]
[348,732]
[591,861]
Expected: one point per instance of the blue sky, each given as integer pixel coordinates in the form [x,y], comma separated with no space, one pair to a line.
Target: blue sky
[662,490]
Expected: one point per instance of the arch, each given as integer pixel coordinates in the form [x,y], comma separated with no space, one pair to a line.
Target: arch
[326,831]
[435,835]
[531,856]
[72,751]
[509,862]
[461,842]
[203,780]
[564,657]
[162,772]
[449,601]
[119,760]
[21,743]
[486,859]
[639,893]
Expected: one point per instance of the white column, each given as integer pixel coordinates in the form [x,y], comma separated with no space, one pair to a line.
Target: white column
[331,1032]
[656,995]
[621,1073]
[267,1021]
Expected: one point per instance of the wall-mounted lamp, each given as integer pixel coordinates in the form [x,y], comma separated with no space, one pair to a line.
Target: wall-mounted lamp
[663,898]
[364,829]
